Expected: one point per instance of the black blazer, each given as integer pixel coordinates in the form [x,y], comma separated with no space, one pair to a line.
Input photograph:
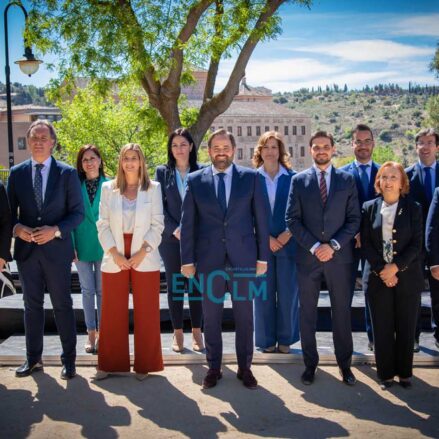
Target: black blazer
[5,225]
[172,201]
[407,240]
[432,231]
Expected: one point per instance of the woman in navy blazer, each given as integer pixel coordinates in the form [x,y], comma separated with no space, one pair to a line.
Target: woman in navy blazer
[182,159]
[277,314]
[391,241]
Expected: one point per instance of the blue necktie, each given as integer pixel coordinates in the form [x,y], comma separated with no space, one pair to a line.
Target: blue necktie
[38,186]
[222,192]
[428,184]
[364,179]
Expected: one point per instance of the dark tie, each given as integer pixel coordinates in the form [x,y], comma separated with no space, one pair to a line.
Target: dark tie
[38,186]
[428,184]
[364,179]
[222,192]
[323,188]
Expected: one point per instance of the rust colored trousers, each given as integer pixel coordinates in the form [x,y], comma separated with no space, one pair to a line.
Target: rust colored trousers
[113,354]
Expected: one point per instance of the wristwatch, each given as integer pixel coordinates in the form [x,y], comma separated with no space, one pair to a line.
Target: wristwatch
[147,248]
[57,234]
[334,245]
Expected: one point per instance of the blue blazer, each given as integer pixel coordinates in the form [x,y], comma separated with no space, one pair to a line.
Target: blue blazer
[311,222]
[432,231]
[242,236]
[353,170]
[63,207]
[172,201]
[276,220]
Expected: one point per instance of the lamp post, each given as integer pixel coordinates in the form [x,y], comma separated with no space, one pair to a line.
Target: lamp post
[28,65]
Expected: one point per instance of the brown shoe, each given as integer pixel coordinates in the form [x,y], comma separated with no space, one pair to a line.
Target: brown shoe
[197,340]
[178,341]
[211,378]
[283,349]
[247,378]
[90,346]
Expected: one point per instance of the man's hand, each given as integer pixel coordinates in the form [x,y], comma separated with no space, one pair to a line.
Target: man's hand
[137,258]
[275,244]
[177,234]
[284,237]
[388,272]
[391,282]
[2,264]
[261,268]
[44,234]
[188,270]
[435,272]
[357,240]
[324,252]
[23,232]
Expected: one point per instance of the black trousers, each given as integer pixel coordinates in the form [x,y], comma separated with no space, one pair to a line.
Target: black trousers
[394,314]
[434,294]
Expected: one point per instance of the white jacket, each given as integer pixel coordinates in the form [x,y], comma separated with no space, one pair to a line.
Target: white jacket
[148,226]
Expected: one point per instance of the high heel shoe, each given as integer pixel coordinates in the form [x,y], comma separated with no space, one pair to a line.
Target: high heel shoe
[197,340]
[178,341]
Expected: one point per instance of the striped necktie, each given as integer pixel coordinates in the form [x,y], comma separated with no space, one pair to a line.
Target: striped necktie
[323,187]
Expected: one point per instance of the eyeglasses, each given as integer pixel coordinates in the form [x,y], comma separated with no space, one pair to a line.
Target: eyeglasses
[429,143]
[366,142]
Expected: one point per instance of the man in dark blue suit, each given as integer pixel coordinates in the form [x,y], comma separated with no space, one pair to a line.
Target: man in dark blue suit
[323,215]
[46,205]
[364,171]
[224,238]
[424,178]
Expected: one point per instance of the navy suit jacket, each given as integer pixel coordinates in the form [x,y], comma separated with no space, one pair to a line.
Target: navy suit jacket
[276,221]
[432,231]
[310,222]
[353,170]
[62,207]
[208,238]
[172,201]
[5,225]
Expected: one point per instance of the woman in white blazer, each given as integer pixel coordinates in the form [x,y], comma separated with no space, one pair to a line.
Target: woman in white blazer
[129,229]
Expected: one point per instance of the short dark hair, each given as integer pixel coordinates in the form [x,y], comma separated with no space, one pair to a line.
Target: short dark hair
[427,132]
[183,132]
[81,152]
[361,127]
[221,132]
[45,123]
[321,133]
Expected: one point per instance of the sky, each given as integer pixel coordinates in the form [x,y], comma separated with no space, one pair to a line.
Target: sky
[339,42]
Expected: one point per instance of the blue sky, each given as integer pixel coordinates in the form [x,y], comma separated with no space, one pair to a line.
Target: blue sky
[336,41]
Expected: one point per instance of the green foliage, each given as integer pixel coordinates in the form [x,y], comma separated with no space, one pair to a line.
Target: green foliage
[432,108]
[383,154]
[97,118]
[385,136]
[340,161]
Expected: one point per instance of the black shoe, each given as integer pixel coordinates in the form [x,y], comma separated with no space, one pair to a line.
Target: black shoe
[405,384]
[68,372]
[211,378]
[370,346]
[308,376]
[27,369]
[348,376]
[247,378]
[386,384]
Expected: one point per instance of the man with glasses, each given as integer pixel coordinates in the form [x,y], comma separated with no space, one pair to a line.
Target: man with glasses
[323,215]
[364,171]
[424,178]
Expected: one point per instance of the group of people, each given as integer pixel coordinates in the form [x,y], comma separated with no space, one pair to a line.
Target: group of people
[267,236]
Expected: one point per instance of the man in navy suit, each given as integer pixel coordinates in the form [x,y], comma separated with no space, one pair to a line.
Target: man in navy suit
[225,240]
[323,215]
[424,178]
[46,205]
[364,171]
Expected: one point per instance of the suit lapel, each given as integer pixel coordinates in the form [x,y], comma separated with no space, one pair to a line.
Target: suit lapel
[87,205]
[51,182]
[315,185]
[236,176]
[267,200]
[420,184]
[398,216]
[207,179]
[332,185]
[373,174]
[378,222]
[29,183]
[173,191]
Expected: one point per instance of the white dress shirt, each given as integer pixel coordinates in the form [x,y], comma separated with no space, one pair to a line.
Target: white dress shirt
[368,169]
[272,183]
[227,180]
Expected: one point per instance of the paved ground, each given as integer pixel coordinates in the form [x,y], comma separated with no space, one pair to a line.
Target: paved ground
[171,404]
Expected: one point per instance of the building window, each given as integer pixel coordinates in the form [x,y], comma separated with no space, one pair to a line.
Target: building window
[239,131]
[252,150]
[239,153]
[286,130]
[249,131]
[303,130]
[21,142]
[302,151]
[212,129]
[276,129]
[294,130]
[258,131]
[267,129]
[290,149]
[230,130]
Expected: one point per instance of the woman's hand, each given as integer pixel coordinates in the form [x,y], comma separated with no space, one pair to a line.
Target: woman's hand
[137,258]
[388,272]
[120,260]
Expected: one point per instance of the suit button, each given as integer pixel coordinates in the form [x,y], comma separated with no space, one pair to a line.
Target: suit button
[225,224]
[395,253]
[39,218]
[223,239]
[395,241]
[394,230]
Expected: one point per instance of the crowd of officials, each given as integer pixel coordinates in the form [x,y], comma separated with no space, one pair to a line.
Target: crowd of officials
[225,228]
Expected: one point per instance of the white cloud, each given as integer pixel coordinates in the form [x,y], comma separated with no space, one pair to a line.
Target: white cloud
[427,25]
[369,50]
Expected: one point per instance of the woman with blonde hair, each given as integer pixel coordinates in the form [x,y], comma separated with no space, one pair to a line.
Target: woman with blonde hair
[130,227]
[277,315]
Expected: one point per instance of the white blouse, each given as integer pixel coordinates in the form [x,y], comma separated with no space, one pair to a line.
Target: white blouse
[388,212]
[128,214]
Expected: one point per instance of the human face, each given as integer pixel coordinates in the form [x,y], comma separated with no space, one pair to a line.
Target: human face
[181,149]
[270,152]
[90,164]
[390,183]
[40,143]
[322,151]
[362,145]
[426,148]
[221,152]
[131,163]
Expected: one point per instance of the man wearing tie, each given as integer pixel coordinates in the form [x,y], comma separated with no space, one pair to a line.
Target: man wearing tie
[46,205]
[424,178]
[323,215]
[364,171]
[225,240]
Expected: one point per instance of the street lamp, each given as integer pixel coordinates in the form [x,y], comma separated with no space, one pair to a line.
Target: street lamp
[28,65]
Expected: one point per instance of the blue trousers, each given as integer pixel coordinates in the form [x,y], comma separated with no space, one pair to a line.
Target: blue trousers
[277,314]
